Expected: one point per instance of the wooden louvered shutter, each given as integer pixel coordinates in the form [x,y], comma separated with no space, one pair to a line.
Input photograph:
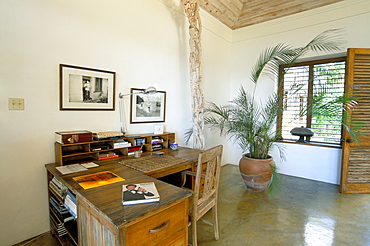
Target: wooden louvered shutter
[356,156]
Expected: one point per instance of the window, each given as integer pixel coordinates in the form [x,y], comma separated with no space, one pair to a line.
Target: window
[98,84]
[310,85]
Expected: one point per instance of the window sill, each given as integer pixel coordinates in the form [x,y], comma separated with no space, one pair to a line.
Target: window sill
[328,145]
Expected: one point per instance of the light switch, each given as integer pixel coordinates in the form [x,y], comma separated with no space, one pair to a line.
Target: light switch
[16,103]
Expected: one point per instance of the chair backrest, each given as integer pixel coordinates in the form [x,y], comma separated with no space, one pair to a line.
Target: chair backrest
[207,175]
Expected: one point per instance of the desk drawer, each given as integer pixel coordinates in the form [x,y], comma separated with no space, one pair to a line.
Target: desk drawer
[159,227]
[178,239]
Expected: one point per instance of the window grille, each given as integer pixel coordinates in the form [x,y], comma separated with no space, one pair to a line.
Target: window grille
[309,86]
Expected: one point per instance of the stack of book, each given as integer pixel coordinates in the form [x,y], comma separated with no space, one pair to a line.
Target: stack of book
[157,140]
[107,155]
[60,229]
[58,188]
[70,203]
[60,210]
[121,144]
[107,135]
[156,143]
[157,146]
[139,141]
[132,150]
[63,228]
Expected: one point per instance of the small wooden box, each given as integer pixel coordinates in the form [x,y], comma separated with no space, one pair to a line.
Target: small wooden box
[70,137]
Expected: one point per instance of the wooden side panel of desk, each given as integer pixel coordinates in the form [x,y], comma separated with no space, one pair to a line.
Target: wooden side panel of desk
[93,228]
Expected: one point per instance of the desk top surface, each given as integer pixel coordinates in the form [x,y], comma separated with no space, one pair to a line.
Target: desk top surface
[107,200]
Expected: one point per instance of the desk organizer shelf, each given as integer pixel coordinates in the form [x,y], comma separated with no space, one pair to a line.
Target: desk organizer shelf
[111,148]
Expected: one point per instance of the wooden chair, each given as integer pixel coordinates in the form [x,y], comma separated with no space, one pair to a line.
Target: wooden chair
[205,191]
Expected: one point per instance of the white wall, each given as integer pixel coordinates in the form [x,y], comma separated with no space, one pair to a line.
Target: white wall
[144,42]
[317,163]
[216,61]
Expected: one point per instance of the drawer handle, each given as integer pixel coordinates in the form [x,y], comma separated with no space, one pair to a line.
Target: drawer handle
[160,228]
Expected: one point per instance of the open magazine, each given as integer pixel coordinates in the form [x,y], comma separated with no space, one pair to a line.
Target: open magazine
[139,193]
[98,179]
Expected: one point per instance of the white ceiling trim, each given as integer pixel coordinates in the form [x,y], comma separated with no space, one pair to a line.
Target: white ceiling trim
[215,26]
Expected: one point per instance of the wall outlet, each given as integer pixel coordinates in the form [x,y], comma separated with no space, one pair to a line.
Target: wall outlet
[16,103]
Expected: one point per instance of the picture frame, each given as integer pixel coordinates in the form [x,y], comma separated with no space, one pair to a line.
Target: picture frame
[147,108]
[83,88]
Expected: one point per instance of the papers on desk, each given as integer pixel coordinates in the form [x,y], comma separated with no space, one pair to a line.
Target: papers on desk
[74,168]
[89,165]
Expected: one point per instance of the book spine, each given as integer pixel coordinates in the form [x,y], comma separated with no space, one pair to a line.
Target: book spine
[108,157]
[57,192]
[134,148]
[58,184]
[71,206]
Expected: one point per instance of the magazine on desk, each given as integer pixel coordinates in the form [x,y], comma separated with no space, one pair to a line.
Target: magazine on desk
[139,193]
[98,179]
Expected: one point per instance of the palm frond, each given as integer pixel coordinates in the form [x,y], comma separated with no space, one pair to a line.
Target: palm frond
[187,135]
[276,183]
[271,59]
[282,54]
[327,41]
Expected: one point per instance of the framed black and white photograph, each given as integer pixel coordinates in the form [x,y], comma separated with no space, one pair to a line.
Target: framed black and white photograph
[147,108]
[84,88]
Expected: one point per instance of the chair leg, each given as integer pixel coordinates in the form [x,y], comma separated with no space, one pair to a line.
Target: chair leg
[194,231]
[215,222]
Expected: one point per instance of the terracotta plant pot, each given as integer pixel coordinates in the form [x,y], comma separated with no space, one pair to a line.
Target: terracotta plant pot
[256,173]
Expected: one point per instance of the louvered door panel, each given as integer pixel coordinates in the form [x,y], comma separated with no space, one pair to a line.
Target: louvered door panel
[356,156]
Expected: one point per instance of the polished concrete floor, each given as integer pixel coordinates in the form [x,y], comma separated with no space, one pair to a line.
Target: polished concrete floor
[305,212]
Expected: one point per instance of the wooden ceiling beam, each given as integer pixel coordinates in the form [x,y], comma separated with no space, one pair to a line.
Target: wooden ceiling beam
[241,13]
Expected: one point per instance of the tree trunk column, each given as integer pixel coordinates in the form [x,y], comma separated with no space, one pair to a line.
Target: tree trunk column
[192,12]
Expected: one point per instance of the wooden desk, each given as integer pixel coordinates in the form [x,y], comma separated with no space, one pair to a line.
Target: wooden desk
[103,220]
[189,155]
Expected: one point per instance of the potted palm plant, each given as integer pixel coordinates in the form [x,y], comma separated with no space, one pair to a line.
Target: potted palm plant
[252,123]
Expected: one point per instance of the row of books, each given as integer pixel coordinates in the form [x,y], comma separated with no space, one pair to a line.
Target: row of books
[64,211]
[60,210]
[58,188]
[64,228]
[63,208]
[60,229]
[70,203]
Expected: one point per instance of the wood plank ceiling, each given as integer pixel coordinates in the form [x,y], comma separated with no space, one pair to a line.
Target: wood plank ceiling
[241,13]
